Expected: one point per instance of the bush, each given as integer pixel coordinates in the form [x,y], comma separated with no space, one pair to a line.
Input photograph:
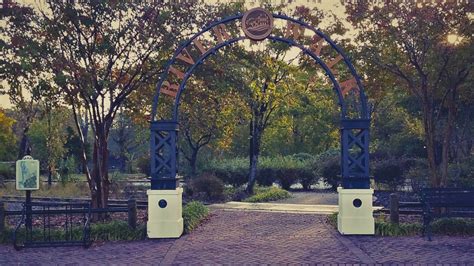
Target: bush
[268,194]
[144,165]
[233,172]
[462,174]
[389,172]
[286,170]
[110,231]
[67,170]
[445,226]
[327,165]
[7,171]
[208,185]
[383,228]
[303,156]
[265,175]
[117,230]
[418,174]
[307,178]
[453,226]
[193,214]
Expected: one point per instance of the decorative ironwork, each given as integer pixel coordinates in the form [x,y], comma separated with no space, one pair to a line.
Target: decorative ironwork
[256,26]
[355,153]
[164,154]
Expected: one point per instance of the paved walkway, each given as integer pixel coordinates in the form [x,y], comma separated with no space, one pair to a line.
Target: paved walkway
[311,198]
[257,237]
[278,207]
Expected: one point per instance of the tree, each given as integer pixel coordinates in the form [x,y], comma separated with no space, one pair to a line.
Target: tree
[22,68]
[48,136]
[410,42]
[97,54]
[129,140]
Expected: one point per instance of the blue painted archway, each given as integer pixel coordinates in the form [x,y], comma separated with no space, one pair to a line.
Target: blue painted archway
[354,119]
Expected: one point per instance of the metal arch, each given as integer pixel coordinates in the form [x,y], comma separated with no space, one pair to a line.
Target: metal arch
[362,96]
[354,132]
[178,51]
[213,50]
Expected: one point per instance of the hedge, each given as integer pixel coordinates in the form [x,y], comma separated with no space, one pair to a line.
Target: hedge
[285,170]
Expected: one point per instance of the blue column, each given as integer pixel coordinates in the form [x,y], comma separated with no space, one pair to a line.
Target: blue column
[355,153]
[164,154]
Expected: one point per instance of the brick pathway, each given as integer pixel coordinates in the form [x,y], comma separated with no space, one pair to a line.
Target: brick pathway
[257,237]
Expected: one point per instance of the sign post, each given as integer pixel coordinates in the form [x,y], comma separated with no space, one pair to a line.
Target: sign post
[27,179]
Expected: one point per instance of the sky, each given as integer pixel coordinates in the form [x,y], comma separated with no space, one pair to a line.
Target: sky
[334,6]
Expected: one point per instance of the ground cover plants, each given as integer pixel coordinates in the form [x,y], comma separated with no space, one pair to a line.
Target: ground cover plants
[443,226]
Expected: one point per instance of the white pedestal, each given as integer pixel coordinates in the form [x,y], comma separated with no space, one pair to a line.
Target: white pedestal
[165,213]
[355,212]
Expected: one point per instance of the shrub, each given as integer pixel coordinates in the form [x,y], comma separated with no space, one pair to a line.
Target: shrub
[462,174]
[418,174]
[303,156]
[444,226]
[207,184]
[307,178]
[265,175]
[110,231]
[331,171]
[233,172]
[453,226]
[383,228]
[268,194]
[389,172]
[117,230]
[193,214]
[286,170]
[144,165]
[67,170]
[326,165]
[7,171]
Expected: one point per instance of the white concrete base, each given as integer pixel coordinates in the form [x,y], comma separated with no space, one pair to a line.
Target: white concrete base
[165,221]
[353,220]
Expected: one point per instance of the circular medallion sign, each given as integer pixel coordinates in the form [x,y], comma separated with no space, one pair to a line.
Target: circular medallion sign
[257,23]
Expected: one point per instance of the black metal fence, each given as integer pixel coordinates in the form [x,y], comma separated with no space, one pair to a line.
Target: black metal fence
[38,218]
[53,224]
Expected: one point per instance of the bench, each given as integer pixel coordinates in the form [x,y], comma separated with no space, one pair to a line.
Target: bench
[445,202]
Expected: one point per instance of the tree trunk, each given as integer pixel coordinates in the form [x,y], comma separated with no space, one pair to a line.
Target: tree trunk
[429,128]
[447,137]
[193,161]
[25,145]
[254,151]
[100,178]
[84,128]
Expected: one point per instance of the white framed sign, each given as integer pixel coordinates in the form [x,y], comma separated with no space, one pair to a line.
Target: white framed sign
[27,174]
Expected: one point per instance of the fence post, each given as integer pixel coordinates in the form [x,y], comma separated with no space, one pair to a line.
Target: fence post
[394,208]
[132,213]
[2,216]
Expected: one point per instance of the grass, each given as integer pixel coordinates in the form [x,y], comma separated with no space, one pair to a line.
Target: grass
[111,231]
[194,213]
[444,226]
[265,194]
[70,189]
